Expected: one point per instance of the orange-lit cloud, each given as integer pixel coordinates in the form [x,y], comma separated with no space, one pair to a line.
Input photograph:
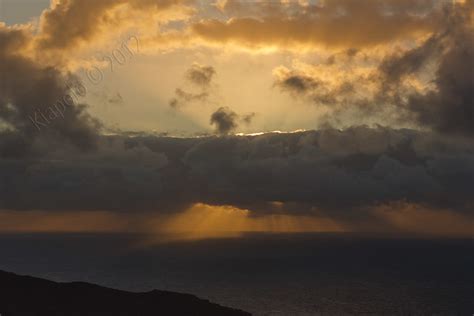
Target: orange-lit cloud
[70,23]
[334,23]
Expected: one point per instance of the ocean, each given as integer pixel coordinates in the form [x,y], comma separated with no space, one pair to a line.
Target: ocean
[265,274]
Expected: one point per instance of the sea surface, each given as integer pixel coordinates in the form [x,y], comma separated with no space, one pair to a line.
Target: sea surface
[266,274]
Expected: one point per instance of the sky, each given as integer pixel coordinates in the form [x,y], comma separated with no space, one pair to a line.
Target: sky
[216,118]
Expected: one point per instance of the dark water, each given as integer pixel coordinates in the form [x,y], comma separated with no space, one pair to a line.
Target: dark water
[308,274]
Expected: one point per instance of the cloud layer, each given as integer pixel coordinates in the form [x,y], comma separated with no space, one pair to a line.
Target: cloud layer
[338,174]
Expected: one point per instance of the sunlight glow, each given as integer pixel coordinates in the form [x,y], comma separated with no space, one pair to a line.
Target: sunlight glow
[203,221]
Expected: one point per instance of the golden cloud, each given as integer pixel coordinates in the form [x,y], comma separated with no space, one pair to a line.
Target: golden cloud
[335,23]
[69,23]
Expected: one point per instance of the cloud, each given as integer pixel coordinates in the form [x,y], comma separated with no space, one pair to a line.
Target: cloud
[225,120]
[200,75]
[182,98]
[72,24]
[339,175]
[61,178]
[335,23]
[39,101]
[448,106]
[296,83]
[69,24]
[248,118]
[336,88]
[429,86]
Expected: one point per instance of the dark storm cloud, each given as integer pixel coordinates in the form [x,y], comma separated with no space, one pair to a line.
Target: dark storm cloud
[449,108]
[224,120]
[36,101]
[342,174]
